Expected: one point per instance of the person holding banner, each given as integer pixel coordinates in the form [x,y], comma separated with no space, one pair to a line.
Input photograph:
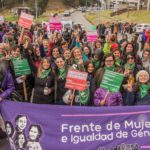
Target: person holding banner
[44,83]
[6,88]
[109,64]
[139,93]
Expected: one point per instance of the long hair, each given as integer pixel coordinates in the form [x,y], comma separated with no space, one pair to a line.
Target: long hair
[41,66]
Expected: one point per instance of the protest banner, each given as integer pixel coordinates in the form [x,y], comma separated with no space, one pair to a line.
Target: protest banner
[86,128]
[112,81]
[91,36]
[25,20]
[21,67]
[76,80]
[55,24]
[1,19]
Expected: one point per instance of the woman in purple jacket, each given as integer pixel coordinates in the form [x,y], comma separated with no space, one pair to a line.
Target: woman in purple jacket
[6,82]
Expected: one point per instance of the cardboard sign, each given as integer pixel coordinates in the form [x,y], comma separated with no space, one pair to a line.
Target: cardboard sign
[112,81]
[25,20]
[91,36]
[55,24]
[21,67]
[76,80]
[1,19]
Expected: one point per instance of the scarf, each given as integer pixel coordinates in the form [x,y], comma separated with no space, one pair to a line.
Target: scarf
[2,55]
[112,68]
[84,96]
[76,61]
[63,73]
[45,73]
[144,89]
[96,63]
[130,66]
[13,59]
[118,62]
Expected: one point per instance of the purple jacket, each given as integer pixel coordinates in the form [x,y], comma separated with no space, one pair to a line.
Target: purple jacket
[112,99]
[7,86]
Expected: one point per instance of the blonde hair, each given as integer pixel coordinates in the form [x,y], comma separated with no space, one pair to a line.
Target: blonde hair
[41,66]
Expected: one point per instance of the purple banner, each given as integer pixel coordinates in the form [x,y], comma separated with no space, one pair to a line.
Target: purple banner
[46,127]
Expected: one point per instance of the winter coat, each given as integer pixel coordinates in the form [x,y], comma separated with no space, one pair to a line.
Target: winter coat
[40,84]
[111,99]
[7,85]
[134,98]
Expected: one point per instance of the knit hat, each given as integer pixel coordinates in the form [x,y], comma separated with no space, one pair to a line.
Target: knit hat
[114,46]
[142,71]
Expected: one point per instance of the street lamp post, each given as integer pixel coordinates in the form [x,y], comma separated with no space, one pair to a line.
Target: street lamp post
[36,8]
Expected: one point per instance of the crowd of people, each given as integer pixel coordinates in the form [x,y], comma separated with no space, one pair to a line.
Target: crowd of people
[51,55]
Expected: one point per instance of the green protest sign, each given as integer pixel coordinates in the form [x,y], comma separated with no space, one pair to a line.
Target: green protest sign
[93,28]
[21,67]
[112,81]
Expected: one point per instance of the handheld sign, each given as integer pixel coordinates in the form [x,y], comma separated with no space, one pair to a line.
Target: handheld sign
[112,81]
[92,36]
[76,80]
[1,19]
[55,24]
[25,20]
[21,67]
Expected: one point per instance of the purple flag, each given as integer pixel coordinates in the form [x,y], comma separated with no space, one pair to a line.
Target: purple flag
[47,127]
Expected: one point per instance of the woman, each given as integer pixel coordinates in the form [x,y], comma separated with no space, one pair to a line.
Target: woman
[20,141]
[90,69]
[86,53]
[117,55]
[146,58]
[44,83]
[131,67]
[67,56]
[139,93]
[109,64]
[54,54]
[60,80]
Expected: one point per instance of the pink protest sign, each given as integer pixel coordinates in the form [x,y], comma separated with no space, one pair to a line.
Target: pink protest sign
[55,24]
[25,20]
[91,36]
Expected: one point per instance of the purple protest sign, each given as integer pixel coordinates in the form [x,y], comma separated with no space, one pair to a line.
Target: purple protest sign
[45,127]
[55,24]
[91,36]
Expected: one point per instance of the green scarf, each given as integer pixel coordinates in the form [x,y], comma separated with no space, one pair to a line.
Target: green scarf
[112,68]
[84,96]
[2,55]
[144,90]
[46,49]
[118,62]
[96,63]
[76,61]
[130,66]
[45,73]
[63,73]
[14,59]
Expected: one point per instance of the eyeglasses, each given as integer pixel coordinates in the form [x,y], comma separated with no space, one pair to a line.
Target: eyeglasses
[130,58]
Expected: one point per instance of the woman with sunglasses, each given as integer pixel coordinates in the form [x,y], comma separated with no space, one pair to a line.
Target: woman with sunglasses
[139,93]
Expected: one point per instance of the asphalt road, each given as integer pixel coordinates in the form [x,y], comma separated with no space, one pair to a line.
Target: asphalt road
[78,17]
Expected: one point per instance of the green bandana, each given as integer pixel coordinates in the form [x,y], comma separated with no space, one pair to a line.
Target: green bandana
[96,63]
[14,59]
[144,90]
[110,68]
[76,61]
[84,96]
[45,73]
[118,62]
[63,73]
[46,49]
[2,55]
[130,66]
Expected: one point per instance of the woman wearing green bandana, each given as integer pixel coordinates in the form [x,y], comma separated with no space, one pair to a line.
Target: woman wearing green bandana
[60,80]
[44,84]
[139,93]
[108,64]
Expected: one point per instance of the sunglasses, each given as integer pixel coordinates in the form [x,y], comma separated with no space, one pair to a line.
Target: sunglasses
[130,58]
